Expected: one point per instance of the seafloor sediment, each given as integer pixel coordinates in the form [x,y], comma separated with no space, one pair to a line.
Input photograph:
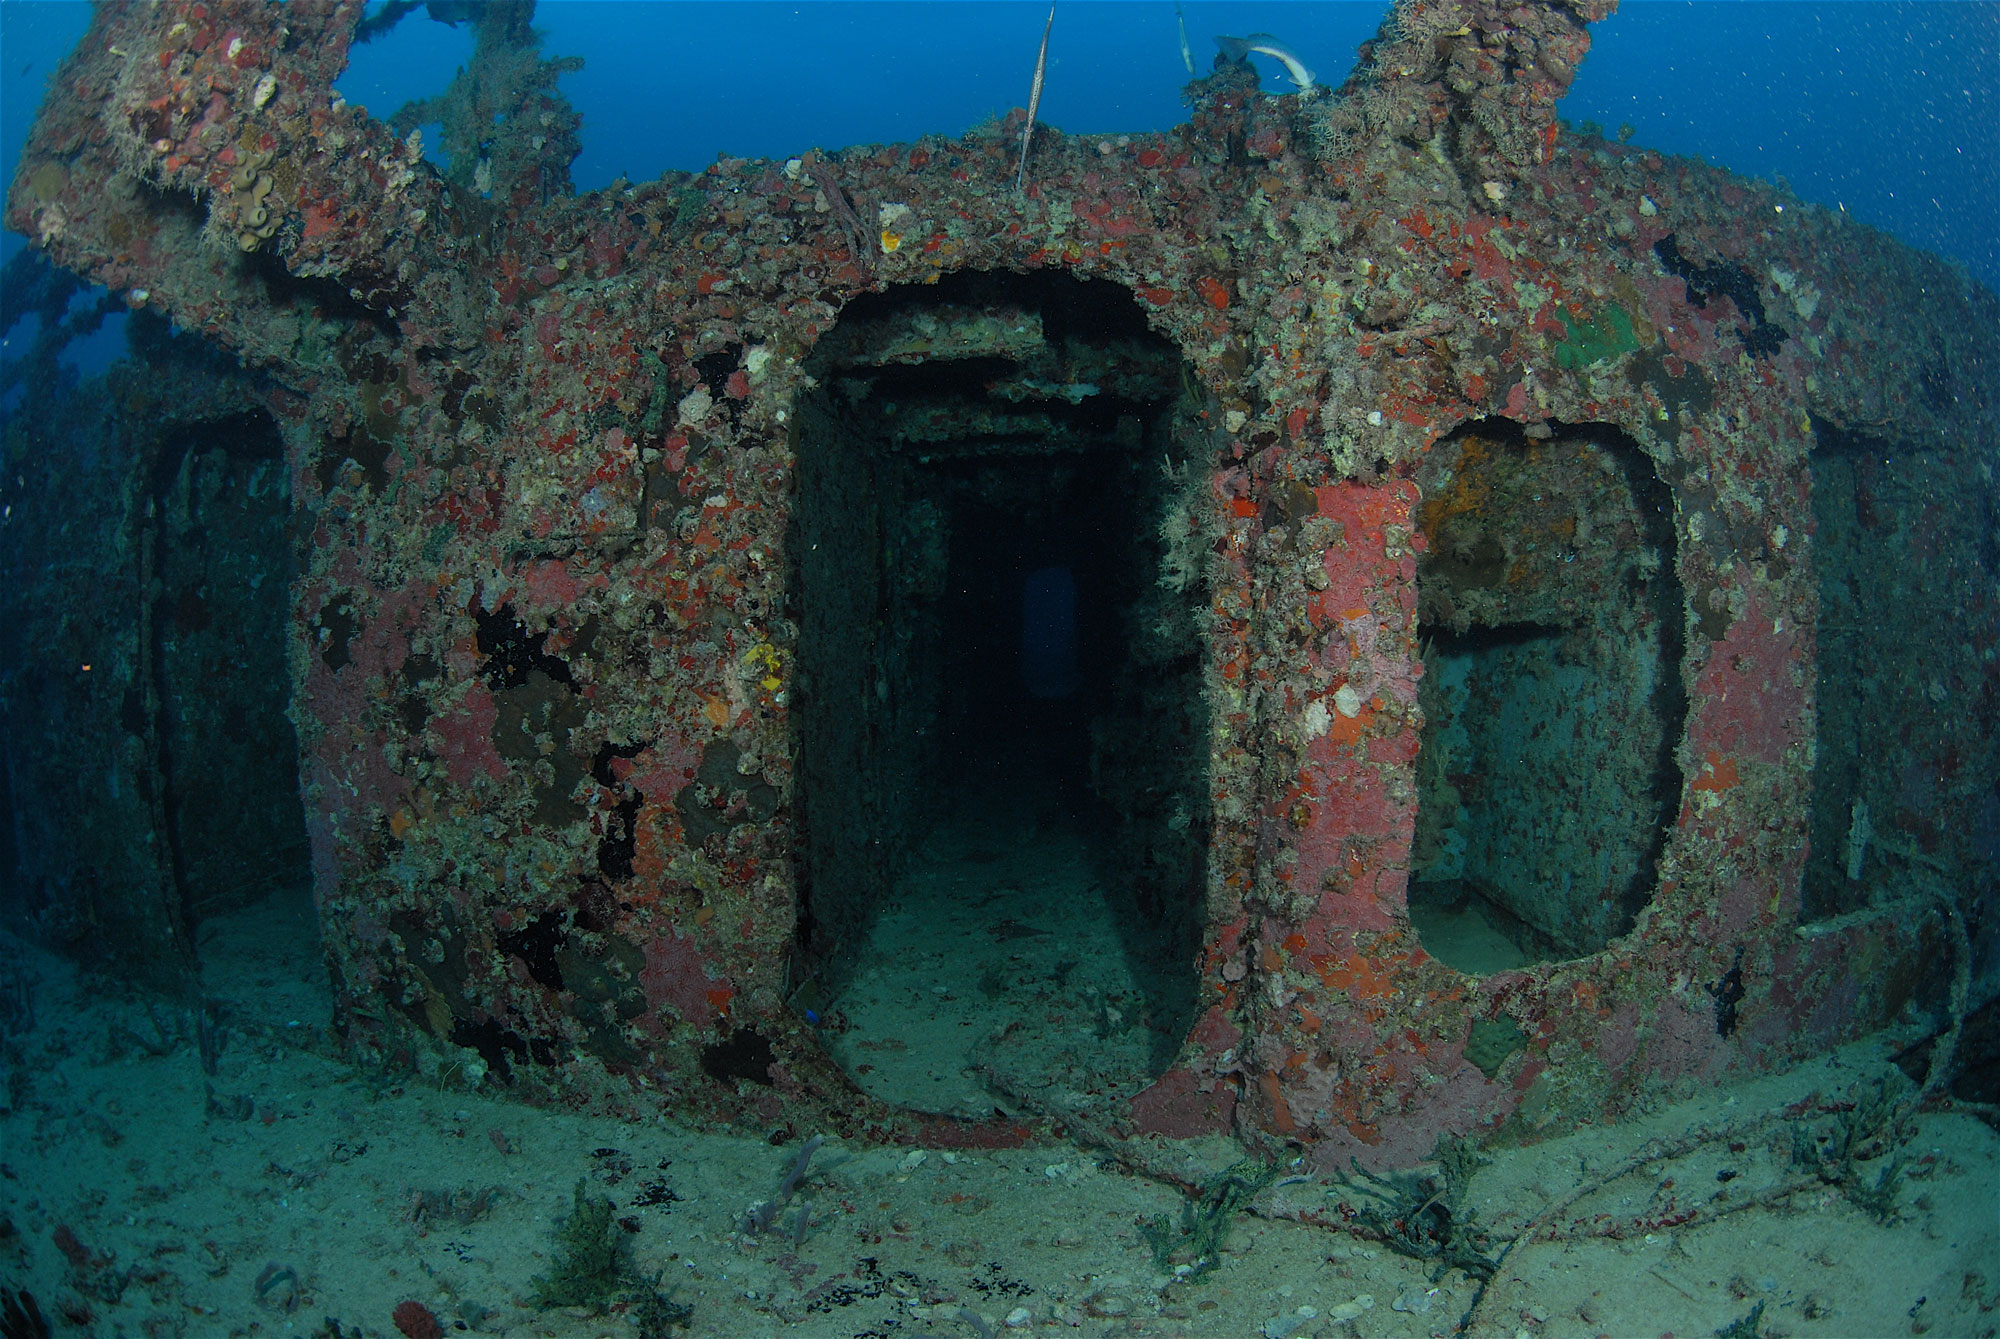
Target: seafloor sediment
[266,1185]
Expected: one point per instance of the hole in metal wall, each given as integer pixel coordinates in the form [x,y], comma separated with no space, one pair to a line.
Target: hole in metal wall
[1550,620]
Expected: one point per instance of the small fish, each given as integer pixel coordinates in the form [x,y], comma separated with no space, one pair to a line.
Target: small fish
[1013,929]
[1035,98]
[1236,48]
[1187,52]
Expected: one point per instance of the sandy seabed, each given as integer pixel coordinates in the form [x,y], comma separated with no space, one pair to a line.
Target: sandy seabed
[290,1193]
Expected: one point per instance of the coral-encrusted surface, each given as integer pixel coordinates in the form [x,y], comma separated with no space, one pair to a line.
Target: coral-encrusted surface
[545,644]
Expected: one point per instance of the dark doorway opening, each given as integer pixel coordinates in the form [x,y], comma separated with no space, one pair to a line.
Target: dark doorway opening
[1906,767]
[235,825]
[1001,724]
[147,758]
[1031,627]
[1551,620]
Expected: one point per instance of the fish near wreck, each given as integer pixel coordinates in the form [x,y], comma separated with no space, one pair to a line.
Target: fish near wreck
[1035,98]
[1238,49]
[620,630]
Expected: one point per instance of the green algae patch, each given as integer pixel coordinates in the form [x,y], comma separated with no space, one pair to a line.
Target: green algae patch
[593,1269]
[1596,338]
[1491,1042]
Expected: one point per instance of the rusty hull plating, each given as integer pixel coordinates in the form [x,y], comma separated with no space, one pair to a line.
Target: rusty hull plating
[544,646]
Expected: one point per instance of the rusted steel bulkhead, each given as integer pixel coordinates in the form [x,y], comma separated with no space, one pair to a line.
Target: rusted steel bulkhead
[542,446]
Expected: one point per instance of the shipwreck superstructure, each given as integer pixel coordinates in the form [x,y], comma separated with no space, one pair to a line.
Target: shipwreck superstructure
[1472,519]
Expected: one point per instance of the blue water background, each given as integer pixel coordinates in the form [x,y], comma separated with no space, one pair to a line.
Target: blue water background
[1889,111]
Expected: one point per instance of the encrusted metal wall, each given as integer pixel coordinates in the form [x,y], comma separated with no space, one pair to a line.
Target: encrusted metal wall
[545,642]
